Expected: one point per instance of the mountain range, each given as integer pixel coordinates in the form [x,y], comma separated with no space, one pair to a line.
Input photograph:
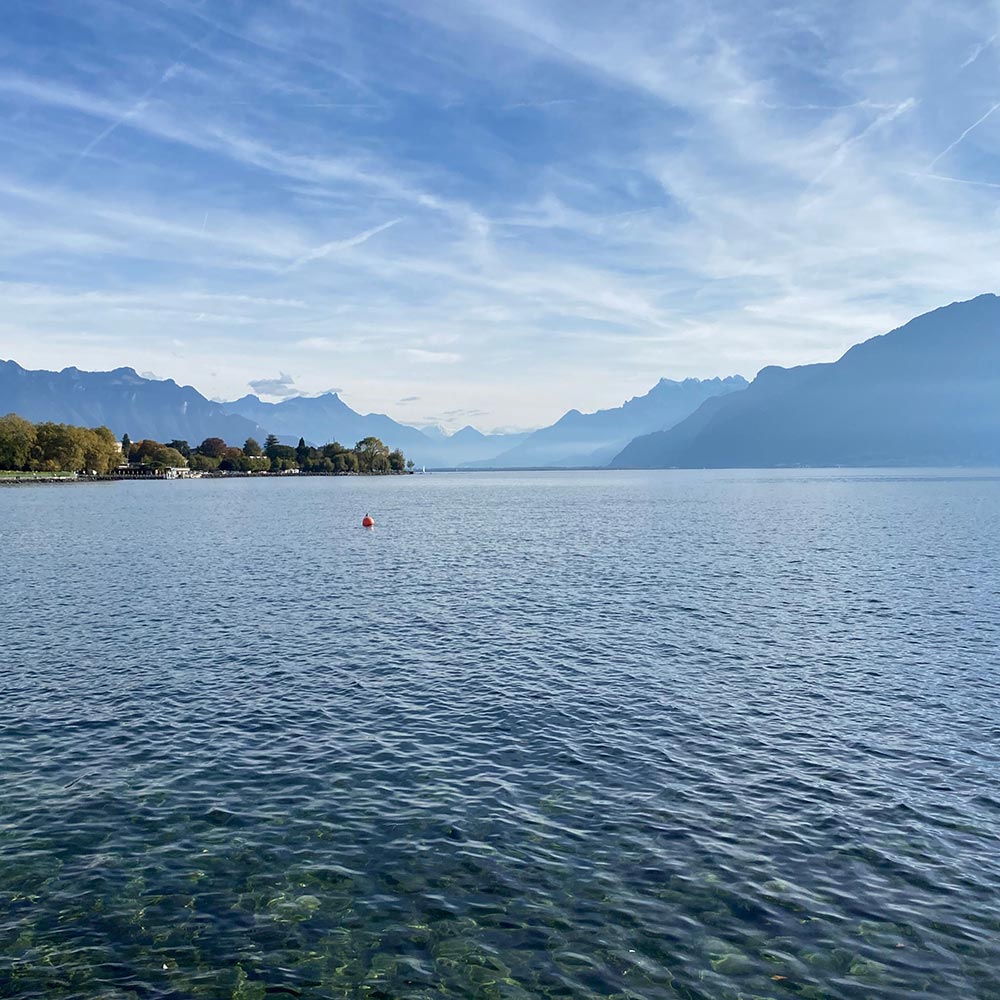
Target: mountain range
[593,439]
[161,409]
[323,418]
[926,394]
[122,400]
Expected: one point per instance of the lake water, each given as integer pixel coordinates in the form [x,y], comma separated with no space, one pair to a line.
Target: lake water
[574,735]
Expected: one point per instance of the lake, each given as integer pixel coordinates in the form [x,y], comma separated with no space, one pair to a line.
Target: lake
[563,735]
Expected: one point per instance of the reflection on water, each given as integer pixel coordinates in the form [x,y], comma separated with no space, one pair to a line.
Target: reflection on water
[638,735]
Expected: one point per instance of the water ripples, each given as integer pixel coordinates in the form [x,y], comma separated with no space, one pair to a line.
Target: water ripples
[577,735]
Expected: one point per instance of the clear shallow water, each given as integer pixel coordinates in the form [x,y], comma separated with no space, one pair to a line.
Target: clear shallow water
[632,735]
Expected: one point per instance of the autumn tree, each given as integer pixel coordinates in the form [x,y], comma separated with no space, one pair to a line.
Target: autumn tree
[213,447]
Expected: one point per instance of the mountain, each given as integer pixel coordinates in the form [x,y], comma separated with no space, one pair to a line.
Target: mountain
[320,419]
[469,446]
[121,399]
[146,407]
[433,431]
[589,439]
[925,394]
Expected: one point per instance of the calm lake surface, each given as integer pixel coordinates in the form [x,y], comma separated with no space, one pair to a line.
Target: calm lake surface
[574,735]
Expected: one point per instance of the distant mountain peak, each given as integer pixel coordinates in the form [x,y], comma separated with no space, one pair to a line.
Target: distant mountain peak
[467,433]
[926,393]
[590,439]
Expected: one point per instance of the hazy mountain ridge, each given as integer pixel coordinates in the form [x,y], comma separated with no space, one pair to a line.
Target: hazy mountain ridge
[593,439]
[122,400]
[129,403]
[927,393]
[161,409]
[327,417]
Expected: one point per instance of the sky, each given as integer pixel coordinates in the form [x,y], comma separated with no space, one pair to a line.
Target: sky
[472,211]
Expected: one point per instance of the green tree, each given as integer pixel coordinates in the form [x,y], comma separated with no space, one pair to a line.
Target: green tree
[373,455]
[282,457]
[58,448]
[202,463]
[158,456]
[345,462]
[270,442]
[409,464]
[397,462]
[141,452]
[232,460]
[169,458]
[100,451]
[126,447]
[302,451]
[17,438]
[182,446]
[252,448]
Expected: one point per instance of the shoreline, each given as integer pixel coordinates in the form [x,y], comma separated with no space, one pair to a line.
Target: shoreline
[30,479]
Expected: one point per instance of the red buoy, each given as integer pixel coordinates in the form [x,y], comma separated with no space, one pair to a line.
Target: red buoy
[368,521]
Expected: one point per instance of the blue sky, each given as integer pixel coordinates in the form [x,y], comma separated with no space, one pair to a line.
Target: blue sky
[487,212]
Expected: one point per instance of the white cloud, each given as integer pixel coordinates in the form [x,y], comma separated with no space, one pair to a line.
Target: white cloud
[283,386]
[429,357]
[704,188]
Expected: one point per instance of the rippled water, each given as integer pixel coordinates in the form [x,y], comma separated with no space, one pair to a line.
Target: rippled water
[636,735]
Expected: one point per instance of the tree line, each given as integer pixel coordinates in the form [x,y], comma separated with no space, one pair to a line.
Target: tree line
[50,447]
[369,456]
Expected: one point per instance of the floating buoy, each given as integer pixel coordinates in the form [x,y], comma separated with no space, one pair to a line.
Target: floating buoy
[368,521]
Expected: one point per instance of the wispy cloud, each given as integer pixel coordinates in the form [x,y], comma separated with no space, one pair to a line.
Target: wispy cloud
[590,201]
[429,357]
[324,250]
[978,50]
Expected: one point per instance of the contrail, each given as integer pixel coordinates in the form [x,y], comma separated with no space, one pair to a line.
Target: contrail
[952,180]
[351,241]
[840,153]
[974,125]
[171,71]
[101,136]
